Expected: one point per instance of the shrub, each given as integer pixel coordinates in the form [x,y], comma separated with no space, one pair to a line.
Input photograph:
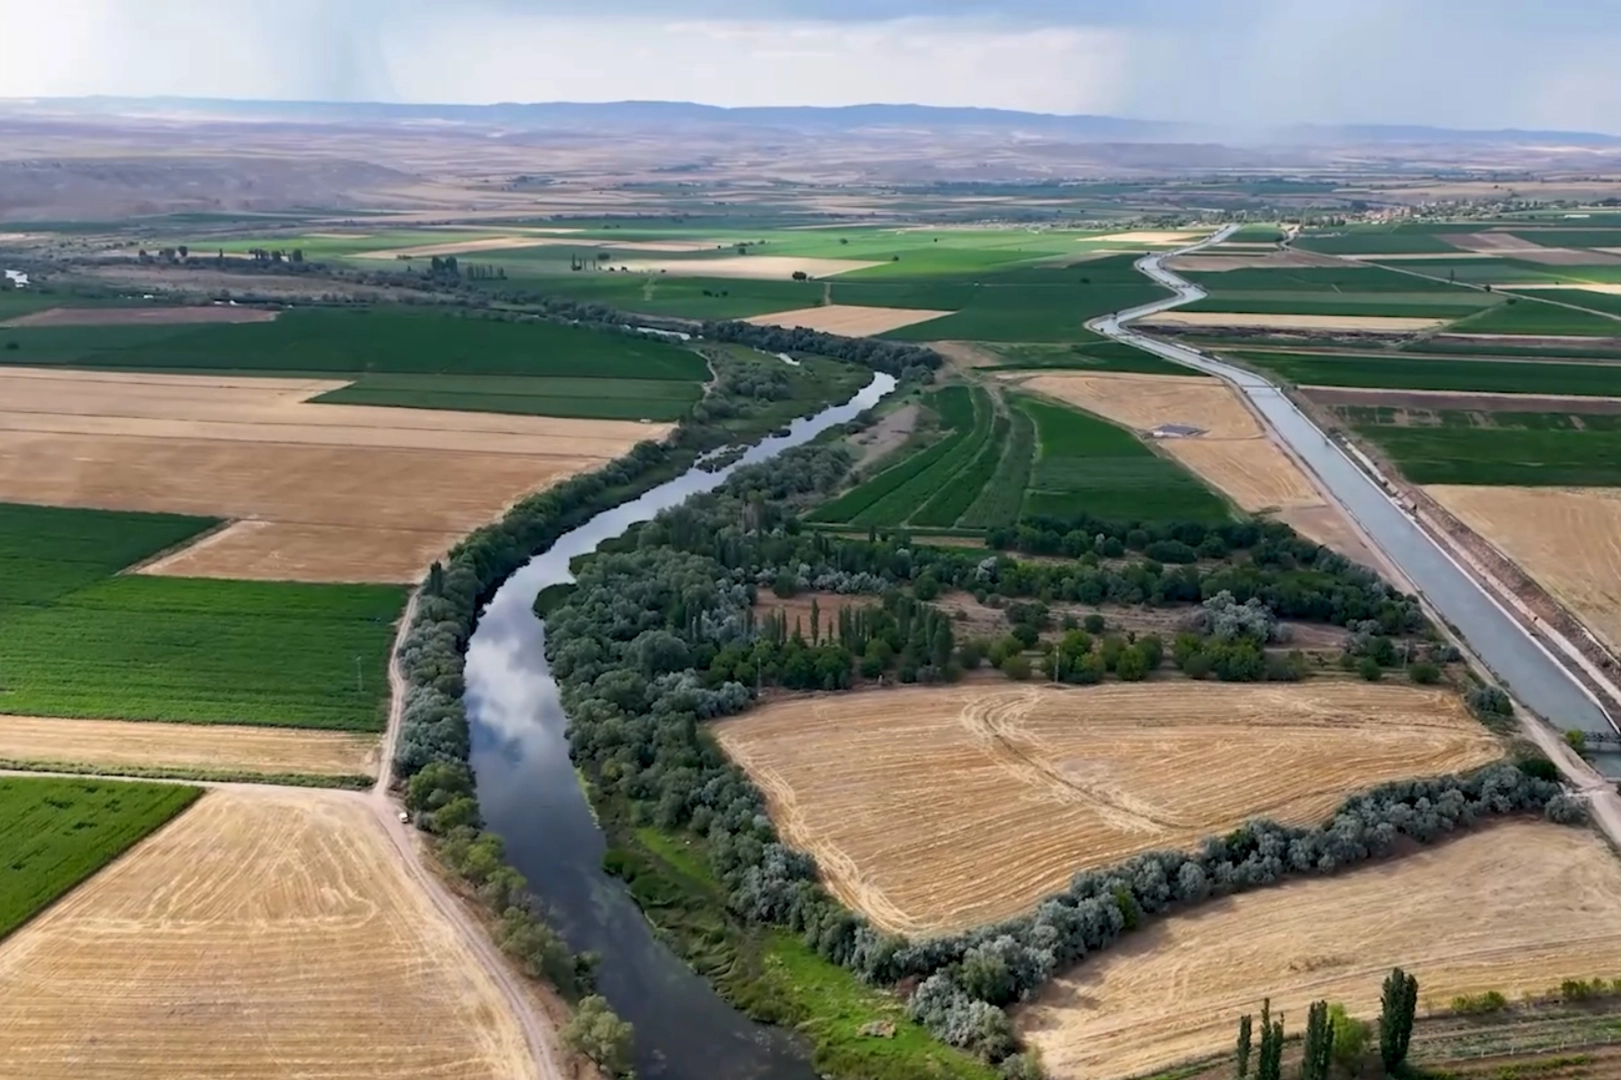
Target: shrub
[1479,1004]
[1424,673]
[1094,623]
[1369,669]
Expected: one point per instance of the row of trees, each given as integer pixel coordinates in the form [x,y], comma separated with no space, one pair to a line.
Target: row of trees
[898,359]
[1332,1037]
[682,596]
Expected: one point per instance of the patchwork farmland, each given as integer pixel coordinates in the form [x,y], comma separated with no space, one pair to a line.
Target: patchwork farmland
[292,917]
[1086,777]
[1539,901]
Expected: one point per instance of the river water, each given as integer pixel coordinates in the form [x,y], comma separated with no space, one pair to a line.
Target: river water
[530,798]
[1523,665]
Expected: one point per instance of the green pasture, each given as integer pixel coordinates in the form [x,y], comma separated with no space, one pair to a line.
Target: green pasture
[1088,465]
[1257,234]
[1609,303]
[1293,281]
[1094,353]
[80,640]
[59,832]
[1390,239]
[1414,373]
[1442,345]
[1531,318]
[1518,449]
[1422,305]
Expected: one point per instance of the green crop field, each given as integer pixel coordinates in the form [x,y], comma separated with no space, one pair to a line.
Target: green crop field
[593,399]
[1547,350]
[1486,271]
[1528,450]
[1318,279]
[1609,303]
[1373,240]
[78,639]
[684,297]
[1570,237]
[363,342]
[1413,373]
[1088,465]
[59,832]
[1094,354]
[1420,305]
[1000,499]
[1257,234]
[1532,318]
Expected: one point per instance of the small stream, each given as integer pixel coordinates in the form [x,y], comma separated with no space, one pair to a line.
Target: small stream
[532,800]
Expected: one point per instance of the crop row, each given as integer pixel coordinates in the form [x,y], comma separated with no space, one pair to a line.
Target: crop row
[901,503]
[59,832]
[956,409]
[1000,500]
[954,497]
[1415,373]
[1529,457]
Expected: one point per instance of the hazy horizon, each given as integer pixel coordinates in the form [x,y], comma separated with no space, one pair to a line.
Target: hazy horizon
[1477,64]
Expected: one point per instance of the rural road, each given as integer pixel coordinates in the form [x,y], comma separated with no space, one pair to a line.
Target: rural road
[1506,646]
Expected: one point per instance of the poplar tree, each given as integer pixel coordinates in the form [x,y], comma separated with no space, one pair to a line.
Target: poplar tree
[1397,1007]
[1246,1024]
[1319,1043]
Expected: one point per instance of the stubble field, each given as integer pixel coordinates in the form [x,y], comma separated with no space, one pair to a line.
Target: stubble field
[851,320]
[1517,907]
[116,745]
[1567,539]
[264,934]
[324,492]
[932,810]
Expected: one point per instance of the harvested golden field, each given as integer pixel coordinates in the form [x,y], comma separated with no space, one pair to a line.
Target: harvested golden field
[764,267]
[1145,402]
[321,492]
[262,934]
[850,320]
[153,316]
[1147,236]
[112,745]
[1516,907]
[1567,539]
[1365,324]
[1254,473]
[933,809]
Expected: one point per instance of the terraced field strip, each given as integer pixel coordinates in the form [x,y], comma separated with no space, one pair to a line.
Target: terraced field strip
[938,809]
[1001,499]
[59,832]
[264,931]
[1517,907]
[114,746]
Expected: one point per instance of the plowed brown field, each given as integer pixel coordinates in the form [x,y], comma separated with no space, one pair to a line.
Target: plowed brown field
[1516,907]
[937,809]
[1567,539]
[111,745]
[263,934]
[848,319]
[324,492]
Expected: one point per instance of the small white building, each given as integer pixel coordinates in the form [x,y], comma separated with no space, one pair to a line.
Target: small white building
[17,278]
[1176,431]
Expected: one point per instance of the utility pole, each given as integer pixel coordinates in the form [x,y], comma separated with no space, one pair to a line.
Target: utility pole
[360,685]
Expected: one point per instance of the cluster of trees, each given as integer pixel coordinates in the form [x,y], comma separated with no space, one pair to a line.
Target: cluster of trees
[1332,1037]
[898,359]
[680,597]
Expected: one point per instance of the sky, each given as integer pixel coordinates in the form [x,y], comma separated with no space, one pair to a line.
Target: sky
[1255,63]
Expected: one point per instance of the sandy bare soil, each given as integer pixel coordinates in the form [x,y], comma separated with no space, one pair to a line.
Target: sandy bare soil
[112,745]
[887,435]
[327,492]
[797,609]
[1509,246]
[1147,236]
[768,267]
[934,809]
[1516,907]
[153,316]
[849,319]
[263,933]
[1329,526]
[1567,539]
[1373,324]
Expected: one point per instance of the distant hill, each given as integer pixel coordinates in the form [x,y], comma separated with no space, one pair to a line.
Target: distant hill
[668,115]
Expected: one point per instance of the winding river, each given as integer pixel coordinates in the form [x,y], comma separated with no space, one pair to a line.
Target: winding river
[530,797]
